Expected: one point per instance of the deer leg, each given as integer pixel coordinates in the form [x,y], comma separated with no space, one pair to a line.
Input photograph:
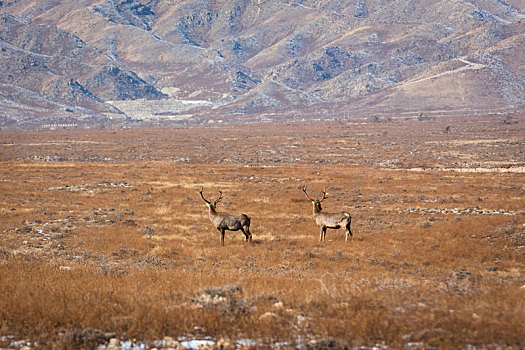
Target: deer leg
[244,231]
[348,232]
[323,234]
[222,231]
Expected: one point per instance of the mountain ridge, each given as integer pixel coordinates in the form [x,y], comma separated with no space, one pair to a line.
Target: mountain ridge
[244,59]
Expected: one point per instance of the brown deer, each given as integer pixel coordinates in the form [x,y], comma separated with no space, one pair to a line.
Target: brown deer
[225,221]
[329,220]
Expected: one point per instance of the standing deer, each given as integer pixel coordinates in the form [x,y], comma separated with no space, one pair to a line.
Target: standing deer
[329,220]
[225,221]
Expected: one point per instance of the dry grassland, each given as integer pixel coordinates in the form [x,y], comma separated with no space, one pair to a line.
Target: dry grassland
[104,235]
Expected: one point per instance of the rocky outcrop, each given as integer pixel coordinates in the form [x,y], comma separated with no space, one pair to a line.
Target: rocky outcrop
[112,83]
[59,66]
[127,12]
[193,28]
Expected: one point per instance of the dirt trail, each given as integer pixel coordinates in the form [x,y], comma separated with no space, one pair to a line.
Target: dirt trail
[468,66]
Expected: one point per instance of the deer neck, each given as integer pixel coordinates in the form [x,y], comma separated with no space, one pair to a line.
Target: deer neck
[212,212]
[316,209]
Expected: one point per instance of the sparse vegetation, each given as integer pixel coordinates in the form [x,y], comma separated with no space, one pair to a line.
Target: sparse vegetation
[112,243]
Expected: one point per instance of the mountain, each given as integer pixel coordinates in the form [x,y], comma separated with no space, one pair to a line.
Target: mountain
[99,60]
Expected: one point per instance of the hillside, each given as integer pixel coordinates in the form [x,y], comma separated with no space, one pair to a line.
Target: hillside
[95,60]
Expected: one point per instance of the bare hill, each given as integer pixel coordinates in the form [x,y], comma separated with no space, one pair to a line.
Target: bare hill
[238,60]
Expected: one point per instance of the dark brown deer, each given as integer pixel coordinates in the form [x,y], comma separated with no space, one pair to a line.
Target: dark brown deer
[329,220]
[225,221]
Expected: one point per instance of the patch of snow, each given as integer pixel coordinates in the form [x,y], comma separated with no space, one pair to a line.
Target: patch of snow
[196,344]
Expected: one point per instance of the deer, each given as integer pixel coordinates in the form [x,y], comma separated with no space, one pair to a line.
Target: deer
[225,221]
[329,220]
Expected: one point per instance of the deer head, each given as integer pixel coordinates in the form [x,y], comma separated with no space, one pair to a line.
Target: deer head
[316,202]
[208,202]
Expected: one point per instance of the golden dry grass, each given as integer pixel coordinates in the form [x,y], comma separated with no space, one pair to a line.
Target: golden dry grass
[115,237]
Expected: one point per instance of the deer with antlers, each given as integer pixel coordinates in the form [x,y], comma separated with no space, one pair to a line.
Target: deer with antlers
[329,220]
[225,221]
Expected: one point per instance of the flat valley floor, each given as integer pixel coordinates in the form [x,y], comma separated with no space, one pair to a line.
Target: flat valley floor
[105,241]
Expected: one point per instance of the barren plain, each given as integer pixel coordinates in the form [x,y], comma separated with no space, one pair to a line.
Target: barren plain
[105,241]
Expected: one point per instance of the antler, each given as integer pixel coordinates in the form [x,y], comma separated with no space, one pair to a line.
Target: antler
[324,195]
[207,201]
[313,200]
[304,190]
[218,199]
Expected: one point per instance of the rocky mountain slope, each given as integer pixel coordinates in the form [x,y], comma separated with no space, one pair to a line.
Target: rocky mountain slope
[237,60]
